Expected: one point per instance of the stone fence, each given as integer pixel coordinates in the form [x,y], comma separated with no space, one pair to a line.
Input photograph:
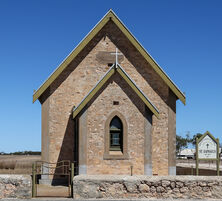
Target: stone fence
[129,187]
[125,187]
[15,186]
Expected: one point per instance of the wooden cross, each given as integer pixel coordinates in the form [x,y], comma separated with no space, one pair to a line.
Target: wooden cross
[116,53]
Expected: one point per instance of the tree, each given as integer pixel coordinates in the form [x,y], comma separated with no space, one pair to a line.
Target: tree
[182,142]
[193,140]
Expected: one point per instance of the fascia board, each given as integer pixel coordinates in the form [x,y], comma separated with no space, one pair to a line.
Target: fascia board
[138,91]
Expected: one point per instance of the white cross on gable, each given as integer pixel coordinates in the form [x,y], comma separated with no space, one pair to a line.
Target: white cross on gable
[116,53]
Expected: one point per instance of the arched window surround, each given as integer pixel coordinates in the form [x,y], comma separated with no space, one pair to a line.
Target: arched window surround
[109,154]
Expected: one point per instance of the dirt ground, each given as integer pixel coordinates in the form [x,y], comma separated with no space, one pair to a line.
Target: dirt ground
[22,164]
[52,191]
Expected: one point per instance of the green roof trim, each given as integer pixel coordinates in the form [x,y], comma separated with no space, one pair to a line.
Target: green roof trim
[90,95]
[138,91]
[115,68]
[110,16]
[70,57]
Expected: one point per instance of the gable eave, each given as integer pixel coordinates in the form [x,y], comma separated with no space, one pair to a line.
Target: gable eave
[138,91]
[210,135]
[110,15]
[180,95]
[71,56]
[93,91]
[105,78]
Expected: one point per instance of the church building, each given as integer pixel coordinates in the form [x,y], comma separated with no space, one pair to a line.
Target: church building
[109,107]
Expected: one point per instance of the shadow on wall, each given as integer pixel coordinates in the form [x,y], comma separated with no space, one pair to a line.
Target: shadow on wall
[66,153]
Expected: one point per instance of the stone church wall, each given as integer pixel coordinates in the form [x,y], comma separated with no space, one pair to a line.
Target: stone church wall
[80,77]
[132,109]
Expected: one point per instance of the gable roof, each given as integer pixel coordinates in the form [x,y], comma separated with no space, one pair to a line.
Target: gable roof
[115,68]
[210,135]
[109,16]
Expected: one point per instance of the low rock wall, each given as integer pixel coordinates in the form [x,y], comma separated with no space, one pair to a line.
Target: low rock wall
[128,187]
[15,186]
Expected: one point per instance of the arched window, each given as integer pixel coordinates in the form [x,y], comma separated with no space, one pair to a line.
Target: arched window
[116,134]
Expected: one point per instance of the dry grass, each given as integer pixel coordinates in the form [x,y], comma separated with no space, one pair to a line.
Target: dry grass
[17,164]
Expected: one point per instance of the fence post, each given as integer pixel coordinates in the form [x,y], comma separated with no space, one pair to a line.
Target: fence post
[197,157]
[72,175]
[218,157]
[33,180]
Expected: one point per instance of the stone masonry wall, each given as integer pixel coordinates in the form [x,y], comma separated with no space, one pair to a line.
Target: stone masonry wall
[152,187]
[15,186]
[81,76]
[132,109]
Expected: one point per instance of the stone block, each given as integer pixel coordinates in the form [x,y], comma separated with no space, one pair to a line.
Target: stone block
[15,186]
[144,188]
[165,183]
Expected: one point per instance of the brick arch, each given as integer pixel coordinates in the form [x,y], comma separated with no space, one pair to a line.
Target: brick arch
[107,153]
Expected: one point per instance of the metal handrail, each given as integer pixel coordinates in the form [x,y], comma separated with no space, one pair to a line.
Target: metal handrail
[65,168]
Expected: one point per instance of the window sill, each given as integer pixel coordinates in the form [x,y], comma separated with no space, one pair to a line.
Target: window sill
[115,155]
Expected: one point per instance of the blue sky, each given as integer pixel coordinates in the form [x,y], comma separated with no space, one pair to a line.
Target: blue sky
[183,36]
